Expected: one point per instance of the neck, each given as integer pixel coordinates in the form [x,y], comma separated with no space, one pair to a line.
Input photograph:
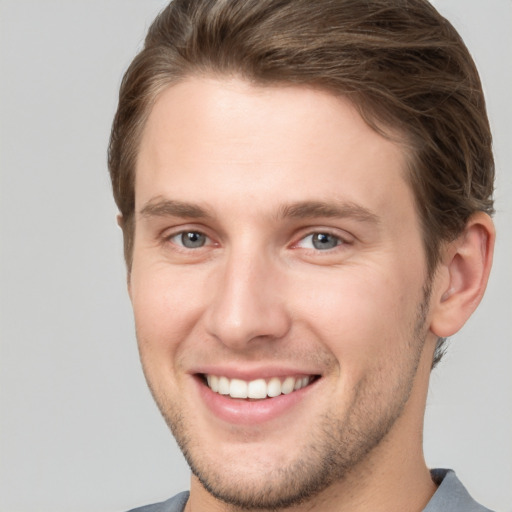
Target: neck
[395,490]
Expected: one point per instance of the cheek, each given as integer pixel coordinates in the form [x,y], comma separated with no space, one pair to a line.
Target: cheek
[166,306]
[364,316]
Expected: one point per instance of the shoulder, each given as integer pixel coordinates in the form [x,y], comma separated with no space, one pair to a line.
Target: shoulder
[451,495]
[175,504]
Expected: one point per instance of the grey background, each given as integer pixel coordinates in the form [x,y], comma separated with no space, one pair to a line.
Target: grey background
[78,430]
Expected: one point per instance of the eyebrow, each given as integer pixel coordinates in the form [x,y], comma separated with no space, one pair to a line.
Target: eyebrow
[308,209]
[160,207]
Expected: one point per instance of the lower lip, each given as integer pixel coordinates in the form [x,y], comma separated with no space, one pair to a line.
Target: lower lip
[245,412]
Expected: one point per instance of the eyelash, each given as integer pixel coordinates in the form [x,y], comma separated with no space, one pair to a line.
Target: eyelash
[338,240]
[181,234]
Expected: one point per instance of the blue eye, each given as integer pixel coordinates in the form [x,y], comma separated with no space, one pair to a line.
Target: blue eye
[320,241]
[190,239]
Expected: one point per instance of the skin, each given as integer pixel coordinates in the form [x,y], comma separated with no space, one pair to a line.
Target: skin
[258,297]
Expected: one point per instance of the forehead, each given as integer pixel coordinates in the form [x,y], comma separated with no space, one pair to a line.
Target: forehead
[212,139]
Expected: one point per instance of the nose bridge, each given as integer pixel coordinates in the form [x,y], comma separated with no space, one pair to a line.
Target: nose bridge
[246,304]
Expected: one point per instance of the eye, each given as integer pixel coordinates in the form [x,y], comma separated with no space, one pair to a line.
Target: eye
[320,241]
[189,239]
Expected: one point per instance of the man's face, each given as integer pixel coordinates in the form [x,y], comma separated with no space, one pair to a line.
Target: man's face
[277,251]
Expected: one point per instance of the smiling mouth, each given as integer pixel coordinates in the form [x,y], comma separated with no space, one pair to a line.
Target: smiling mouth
[258,389]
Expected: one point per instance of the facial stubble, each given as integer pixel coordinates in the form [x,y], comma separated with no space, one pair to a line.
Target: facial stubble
[336,447]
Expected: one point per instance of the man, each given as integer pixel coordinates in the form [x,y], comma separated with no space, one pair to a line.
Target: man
[305,190]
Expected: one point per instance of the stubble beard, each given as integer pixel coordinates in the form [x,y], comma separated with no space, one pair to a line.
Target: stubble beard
[335,448]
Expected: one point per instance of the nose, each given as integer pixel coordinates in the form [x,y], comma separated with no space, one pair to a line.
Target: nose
[248,302]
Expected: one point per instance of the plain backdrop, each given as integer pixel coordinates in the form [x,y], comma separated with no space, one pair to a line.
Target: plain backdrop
[78,429]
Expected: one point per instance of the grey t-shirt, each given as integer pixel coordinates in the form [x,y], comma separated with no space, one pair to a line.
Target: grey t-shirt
[451,496]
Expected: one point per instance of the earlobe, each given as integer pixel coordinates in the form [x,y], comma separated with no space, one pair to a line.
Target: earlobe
[120,220]
[461,281]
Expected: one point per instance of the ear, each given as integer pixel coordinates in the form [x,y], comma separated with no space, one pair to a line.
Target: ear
[462,276]
[120,220]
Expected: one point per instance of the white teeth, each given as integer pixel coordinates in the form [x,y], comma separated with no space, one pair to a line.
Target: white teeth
[274,387]
[288,385]
[223,386]
[238,388]
[213,382]
[256,389]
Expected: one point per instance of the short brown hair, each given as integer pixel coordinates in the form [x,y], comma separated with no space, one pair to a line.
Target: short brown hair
[400,62]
